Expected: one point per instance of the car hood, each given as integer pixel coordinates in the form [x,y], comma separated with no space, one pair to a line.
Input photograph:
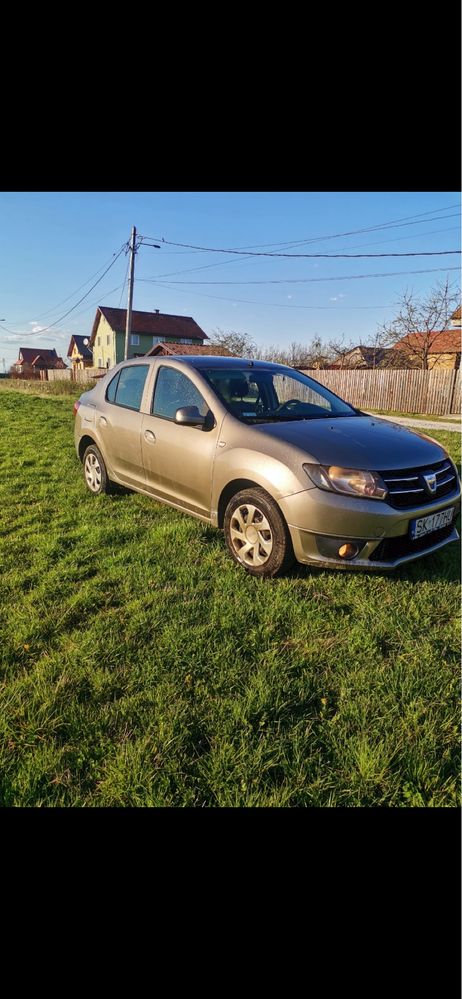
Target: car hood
[356,442]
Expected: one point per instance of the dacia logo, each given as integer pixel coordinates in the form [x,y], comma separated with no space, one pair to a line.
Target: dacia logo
[430,482]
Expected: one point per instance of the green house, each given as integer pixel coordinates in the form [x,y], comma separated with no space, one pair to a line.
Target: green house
[107,340]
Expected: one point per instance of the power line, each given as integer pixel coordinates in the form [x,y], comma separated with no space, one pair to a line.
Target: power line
[343,277]
[276,305]
[393,223]
[328,256]
[19,322]
[96,301]
[283,305]
[45,328]
[222,263]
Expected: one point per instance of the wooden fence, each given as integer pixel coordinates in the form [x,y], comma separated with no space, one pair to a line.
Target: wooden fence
[79,375]
[408,391]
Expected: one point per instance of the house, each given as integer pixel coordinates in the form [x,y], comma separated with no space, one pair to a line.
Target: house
[80,353]
[368,357]
[166,349]
[107,339]
[440,348]
[455,319]
[32,361]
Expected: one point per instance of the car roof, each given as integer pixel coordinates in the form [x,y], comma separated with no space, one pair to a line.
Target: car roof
[210,361]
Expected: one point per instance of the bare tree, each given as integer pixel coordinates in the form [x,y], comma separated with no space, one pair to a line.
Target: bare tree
[339,349]
[416,328]
[240,344]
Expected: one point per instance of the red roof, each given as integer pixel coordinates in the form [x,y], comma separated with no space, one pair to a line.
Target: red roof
[439,342]
[152,323]
[188,348]
[46,357]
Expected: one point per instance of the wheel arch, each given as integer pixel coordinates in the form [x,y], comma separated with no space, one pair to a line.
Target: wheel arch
[85,442]
[236,486]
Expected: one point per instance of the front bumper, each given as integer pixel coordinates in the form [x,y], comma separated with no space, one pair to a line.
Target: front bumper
[320,523]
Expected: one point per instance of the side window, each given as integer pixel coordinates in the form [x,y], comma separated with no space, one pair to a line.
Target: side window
[112,388]
[173,390]
[126,389]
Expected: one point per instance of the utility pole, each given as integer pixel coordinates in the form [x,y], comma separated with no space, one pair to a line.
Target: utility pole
[131,277]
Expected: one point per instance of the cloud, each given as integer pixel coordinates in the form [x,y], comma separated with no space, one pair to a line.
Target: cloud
[289,296]
[335,298]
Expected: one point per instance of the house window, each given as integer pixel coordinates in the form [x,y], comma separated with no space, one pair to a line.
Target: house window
[98,342]
[100,362]
[134,339]
[156,339]
[108,339]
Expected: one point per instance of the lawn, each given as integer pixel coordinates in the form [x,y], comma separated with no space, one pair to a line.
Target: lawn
[140,666]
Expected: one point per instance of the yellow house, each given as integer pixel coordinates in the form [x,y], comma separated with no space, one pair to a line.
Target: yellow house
[79,353]
[439,348]
[107,340]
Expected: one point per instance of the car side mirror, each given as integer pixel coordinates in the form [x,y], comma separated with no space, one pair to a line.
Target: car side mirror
[189,416]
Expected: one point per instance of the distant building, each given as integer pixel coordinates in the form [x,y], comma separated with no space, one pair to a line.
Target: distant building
[107,340]
[455,319]
[31,361]
[80,353]
[441,348]
[368,357]
[166,349]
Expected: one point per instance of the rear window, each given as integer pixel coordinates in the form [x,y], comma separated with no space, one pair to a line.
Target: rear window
[126,389]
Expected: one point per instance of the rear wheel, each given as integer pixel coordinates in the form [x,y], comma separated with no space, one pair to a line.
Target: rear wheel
[256,533]
[95,472]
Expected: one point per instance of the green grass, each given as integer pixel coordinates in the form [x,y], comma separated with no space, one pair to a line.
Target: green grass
[45,388]
[140,666]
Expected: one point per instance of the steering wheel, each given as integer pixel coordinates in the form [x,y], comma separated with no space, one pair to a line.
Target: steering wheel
[289,405]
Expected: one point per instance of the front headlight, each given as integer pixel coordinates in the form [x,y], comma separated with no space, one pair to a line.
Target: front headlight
[350,481]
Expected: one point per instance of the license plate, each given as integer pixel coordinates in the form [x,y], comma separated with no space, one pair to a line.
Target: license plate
[434,522]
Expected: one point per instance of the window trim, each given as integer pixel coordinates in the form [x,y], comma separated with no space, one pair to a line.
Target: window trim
[134,339]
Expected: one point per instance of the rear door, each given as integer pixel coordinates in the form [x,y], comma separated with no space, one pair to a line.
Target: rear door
[119,424]
[178,460]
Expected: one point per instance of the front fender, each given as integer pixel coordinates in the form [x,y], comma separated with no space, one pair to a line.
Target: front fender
[237,464]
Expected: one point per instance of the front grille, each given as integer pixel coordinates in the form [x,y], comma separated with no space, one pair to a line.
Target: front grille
[393,548]
[406,487]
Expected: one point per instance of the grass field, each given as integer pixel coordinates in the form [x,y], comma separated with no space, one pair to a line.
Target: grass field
[140,666]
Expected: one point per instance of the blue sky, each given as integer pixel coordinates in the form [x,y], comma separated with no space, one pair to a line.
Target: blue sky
[55,245]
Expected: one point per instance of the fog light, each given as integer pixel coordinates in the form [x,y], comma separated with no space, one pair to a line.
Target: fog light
[348,551]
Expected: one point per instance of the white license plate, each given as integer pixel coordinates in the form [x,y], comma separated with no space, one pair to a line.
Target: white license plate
[434,522]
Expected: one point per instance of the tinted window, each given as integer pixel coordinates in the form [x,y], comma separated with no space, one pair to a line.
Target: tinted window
[173,390]
[129,388]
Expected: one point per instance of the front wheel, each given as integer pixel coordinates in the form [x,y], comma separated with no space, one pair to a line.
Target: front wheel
[256,533]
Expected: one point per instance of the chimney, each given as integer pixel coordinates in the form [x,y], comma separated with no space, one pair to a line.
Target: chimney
[157,311]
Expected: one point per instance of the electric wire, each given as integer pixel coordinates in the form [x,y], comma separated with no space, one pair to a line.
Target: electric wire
[45,328]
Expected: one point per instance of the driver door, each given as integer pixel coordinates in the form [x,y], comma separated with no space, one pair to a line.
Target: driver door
[178,459]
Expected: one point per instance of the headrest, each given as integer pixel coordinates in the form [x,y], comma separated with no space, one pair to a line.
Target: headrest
[238,386]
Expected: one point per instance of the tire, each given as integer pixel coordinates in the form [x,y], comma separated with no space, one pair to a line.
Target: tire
[95,472]
[264,550]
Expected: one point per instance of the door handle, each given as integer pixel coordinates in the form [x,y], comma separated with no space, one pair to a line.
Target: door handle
[149,437]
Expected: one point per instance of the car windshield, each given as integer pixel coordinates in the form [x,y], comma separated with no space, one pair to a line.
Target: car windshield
[267,395]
